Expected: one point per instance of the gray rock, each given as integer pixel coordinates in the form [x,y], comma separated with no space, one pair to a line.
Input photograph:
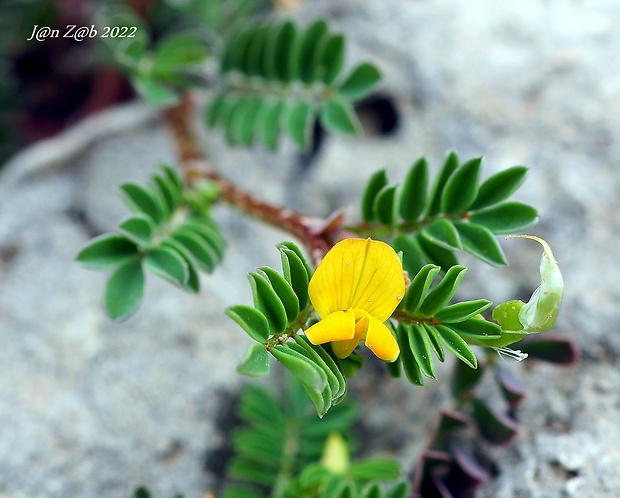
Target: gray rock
[91,408]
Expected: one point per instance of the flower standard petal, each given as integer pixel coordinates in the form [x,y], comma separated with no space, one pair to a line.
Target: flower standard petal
[380,341]
[338,326]
[359,274]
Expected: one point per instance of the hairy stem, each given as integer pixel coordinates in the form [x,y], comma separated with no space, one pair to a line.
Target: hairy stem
[312,232]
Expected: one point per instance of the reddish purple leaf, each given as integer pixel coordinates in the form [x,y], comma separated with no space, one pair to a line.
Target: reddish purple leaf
[494,426]
[513,390]
[551,347]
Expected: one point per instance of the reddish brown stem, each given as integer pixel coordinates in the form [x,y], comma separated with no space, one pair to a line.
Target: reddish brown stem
[314,233]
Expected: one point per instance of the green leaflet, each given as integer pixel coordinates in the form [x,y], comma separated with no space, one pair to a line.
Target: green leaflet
[331,59]
[412,253]
[338,116]
[138,228]
[268,123]
[481,243]
[143,200]
[360,82]
[107,251]
[419,287]
[299,122]
[457,345]
[384,206]
[499,187]
[266,300]
[421,352]
[507,217]
[255,361]
[197,246]
[461,187]
[153,92]
[413,192]
[450,164]
[407,359]
[442,232]
[377,181]
[284,291]
[251,320]
[311,375]
[167,264]
[124,290]
[443,292]
[193,280]
[335,377]
[434,341]
[460,312]
[293,247]
[295,274]
[307,49]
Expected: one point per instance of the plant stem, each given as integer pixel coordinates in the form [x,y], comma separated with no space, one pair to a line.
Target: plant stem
[314,233]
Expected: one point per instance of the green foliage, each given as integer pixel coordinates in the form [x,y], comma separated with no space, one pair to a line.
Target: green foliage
[281,309]
[277,77]
[457,213]
[278,439]
[143,492]
[166,235]
[159,70]
[283,450]
[428,323]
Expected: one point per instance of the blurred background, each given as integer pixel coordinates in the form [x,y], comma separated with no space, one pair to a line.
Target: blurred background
[92,408]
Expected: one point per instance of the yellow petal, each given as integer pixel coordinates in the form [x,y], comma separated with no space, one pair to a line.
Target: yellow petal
[337,326]
[360,274]
[342,349]
[380,341]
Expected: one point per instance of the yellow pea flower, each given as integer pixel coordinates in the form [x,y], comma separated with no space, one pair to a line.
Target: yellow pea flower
[354,290]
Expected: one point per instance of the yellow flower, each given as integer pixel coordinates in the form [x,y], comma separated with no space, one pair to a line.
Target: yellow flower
[355,289]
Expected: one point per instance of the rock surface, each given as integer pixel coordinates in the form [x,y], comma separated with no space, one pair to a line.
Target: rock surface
[91,408]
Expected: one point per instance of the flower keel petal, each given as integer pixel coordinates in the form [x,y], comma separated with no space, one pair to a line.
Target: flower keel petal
[380,341]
